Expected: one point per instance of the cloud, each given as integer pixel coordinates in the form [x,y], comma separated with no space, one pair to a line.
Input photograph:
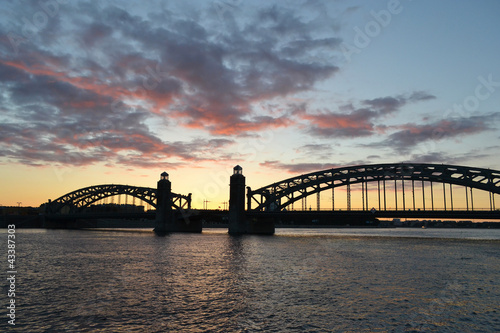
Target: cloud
[74,145]
[386,105]
[469,157]
[421,96]
[222,78]
[302,168]
[86,86]
[434,157]
[117,137]
[373,157]
[355,121]
[297,168]
[408,136]
[318,148]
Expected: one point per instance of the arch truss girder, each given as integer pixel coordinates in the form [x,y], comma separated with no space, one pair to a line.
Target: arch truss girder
[84,197]
[278,195]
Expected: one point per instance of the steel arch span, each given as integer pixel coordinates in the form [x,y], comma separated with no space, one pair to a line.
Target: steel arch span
[279,195]
[75,201]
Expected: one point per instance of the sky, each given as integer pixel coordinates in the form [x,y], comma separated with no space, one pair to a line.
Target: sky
[116,92]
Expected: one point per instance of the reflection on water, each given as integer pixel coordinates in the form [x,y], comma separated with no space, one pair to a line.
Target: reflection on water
[296,281]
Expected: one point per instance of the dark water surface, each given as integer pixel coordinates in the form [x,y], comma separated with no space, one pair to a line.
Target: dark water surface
[326,280]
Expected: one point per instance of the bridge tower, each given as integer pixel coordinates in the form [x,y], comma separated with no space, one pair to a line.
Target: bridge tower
[164,213]
[239,222]
[237,218]
[169,219]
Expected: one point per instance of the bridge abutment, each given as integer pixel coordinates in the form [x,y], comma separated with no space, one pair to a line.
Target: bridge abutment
[239,223]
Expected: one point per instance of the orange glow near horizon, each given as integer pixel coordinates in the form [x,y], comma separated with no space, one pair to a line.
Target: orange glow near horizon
[35,185]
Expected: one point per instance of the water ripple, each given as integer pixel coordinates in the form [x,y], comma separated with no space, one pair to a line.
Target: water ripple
[81,281]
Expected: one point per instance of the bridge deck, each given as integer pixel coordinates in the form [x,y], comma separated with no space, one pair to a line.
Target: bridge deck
[422,214]
[427,214]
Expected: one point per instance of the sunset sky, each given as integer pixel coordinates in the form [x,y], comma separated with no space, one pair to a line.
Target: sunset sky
[117,92]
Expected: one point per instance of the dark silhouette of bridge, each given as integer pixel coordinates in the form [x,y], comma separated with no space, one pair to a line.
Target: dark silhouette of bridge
[280,195]
[274,202]
[76,201]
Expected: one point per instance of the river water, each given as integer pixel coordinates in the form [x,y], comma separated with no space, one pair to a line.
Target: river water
[300,280]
